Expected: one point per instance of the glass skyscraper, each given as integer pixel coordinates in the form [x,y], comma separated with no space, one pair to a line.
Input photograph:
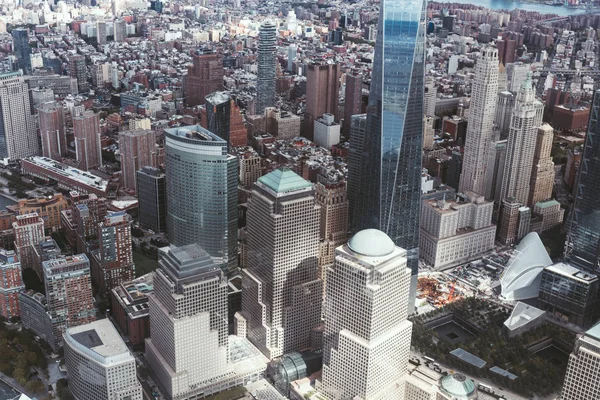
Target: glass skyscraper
[201,186]
[389,191]
[582,248]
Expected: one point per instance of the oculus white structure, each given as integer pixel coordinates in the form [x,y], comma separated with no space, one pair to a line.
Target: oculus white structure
[366,336]
[523,274]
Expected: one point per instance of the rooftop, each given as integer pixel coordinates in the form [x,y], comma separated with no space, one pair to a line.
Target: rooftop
[570,271]
[195,132]
[100,340]
[284,180]
[372,243]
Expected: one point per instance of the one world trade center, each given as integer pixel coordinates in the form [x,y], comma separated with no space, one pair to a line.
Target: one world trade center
[387,194]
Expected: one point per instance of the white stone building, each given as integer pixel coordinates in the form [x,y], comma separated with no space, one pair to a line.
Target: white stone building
[326,132]
[99,364]
[456,231]
[582,380]
[367,336]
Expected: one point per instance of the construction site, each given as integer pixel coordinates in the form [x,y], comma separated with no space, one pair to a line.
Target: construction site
[436,289]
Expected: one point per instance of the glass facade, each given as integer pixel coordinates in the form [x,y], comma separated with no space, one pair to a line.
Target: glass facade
[201,187]
[390,166]
[583,238]
[152,206]
[572,295]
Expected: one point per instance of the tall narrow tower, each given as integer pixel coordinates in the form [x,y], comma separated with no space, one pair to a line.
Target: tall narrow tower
[542,176]
[366,341]
[86,131]
[265,84]
[281,300]
[526,119]
[389,198]
[52,130]
[484,94]
[583,237]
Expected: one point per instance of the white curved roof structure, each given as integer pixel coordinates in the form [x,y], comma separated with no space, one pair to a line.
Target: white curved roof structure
[372,243]
[522,276]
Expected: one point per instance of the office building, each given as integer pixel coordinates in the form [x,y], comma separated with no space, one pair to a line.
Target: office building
[352,100]
[543,173]
[322,93]
[119,30]
[504,109]
[526,119]
[201,185]
[250,167]
[189,302]
[18,136]
[583,370]
[570,294]
[508,221]
[101,33]
[281,300]
[152,199]
[265,83]
[52,130]
[67,177]
[138,149]
[115,255]
[130,308]
[11,283]
[358,126]
[484,94]
[204,76]
[292,52]
[390,169]
[516,74]
[224,119]
[495,168]
[582,246]
[48,208]
[78,70]
[333,232]
[28,230]
[22,49]
[86,133]
[366,341]
[456,231]
[550,213]
[99,364]
[326,131]
[430,97]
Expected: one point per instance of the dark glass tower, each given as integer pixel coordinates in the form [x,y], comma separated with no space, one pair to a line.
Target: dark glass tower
[22,49]
[390,167]
[583,238]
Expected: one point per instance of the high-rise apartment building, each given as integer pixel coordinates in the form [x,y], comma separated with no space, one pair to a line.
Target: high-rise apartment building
[366,341]
[281,300]
[265,83]
[504,109]
[322,92]
[484,95]
[516,74]
[152,199]
[18,136]
[99,364]
[189,302]
[526,119]
[22,49]
[86,132]
[582,247]
[582,380]
[333,232]
[389,198]
[204,76]
[495,168]
[201,192]
[358,127]
[78,70]
[224,119]
[52,130]
[11,283]
[115,255]
[352,100]
[508,221]
[68,293]
[28,230]
[138,149]
[542,175]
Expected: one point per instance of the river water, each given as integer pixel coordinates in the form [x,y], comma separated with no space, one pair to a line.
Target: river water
[5,201]
[511,4]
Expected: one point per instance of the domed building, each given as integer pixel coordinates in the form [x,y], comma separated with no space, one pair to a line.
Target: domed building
[458,387]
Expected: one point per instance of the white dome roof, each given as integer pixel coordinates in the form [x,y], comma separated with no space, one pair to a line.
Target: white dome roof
[371,243]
